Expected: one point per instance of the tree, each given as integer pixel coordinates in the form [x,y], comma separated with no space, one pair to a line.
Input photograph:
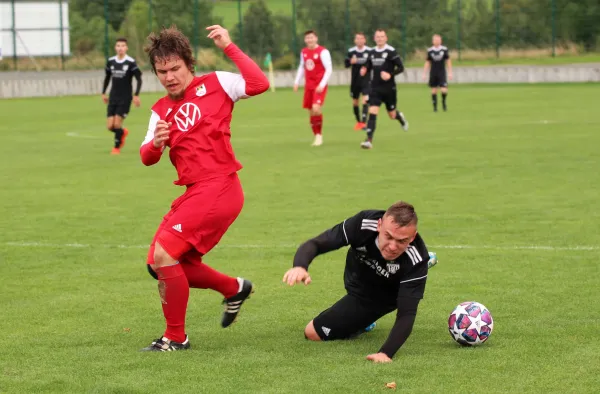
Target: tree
[257,32]
[90,9]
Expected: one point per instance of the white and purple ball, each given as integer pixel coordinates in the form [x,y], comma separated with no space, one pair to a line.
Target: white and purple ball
[470,323]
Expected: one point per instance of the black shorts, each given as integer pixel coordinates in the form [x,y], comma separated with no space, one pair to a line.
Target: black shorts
[349,316]
[438,80]
[356,89]
[387,97]
[120,109]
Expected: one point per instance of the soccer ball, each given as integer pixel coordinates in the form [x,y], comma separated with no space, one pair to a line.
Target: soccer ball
[470,323]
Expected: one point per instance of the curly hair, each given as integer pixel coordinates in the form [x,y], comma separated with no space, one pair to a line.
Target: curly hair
[170,42]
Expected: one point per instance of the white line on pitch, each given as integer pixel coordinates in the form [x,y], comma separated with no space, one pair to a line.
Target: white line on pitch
[290,245]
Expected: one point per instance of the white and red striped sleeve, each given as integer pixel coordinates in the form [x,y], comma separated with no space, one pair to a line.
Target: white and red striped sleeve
[148,152]
[252,80]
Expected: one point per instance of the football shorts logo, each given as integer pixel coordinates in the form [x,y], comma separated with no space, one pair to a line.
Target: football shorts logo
[201,90]
[310,65]
[187,116]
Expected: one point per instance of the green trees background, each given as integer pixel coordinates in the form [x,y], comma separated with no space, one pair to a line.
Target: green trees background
[471,25]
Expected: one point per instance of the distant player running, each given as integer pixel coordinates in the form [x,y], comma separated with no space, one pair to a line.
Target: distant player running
[384,63]
[386,271]
[437,58]
[193,120]
[120,69]
[316,68]
[356,57]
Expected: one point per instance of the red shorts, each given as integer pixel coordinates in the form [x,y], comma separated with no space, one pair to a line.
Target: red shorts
[199,218]
[312,97]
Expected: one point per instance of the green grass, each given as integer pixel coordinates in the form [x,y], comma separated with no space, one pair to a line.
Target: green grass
[507,167]
[228,10]
[528,61]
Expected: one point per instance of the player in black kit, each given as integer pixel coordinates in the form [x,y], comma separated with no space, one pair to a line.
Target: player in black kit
[383,65]
[120,69]
[386,271]
[356,57]
[437,58]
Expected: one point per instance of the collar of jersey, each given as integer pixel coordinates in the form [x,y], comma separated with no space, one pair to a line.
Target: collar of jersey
[382,49]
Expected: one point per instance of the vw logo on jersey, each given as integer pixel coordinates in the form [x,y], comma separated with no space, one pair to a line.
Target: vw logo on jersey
[187,116]
[310,65]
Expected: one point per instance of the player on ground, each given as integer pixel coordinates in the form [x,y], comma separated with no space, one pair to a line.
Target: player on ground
[316,68]
[120,69]
[356,57]
[193,120]
[384,63]
[437,58]
[386,270]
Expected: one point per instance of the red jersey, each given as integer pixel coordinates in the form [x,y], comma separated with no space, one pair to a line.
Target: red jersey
[314,63]
[199,139]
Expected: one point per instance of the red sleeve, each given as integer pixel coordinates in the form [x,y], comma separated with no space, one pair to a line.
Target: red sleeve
[256,80]
[149,154]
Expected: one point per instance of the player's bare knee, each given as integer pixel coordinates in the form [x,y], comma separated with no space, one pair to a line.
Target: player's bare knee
[444,90]
[110,123]
[161,257]
[316,110]
[355,102]
[310,333]
[365,100]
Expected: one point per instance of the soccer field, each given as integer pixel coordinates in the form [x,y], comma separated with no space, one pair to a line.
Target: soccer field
[506,185]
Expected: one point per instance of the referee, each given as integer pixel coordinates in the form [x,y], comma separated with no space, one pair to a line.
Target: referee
[386,271]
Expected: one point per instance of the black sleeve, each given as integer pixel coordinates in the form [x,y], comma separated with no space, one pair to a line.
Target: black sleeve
[412,284]
[398,66]
[137,73]
[336,237]
[368,63]
[347,63]
[405,319]
[106,78]
[428,56]
[446,54]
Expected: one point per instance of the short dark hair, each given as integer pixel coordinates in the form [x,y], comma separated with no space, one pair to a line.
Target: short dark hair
[121,39]
[169,42]
[403,214]
[360,33]
[380,30]
[310,32]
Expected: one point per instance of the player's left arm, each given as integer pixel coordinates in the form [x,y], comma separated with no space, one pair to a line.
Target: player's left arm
[328,64]
[107,76]
[137,73]
[397,62]
[448,63]
[253,81]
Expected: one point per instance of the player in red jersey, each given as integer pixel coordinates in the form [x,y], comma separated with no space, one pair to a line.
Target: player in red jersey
[193,120]
[316,67]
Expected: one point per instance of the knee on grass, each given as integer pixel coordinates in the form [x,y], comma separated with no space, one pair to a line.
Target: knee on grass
[310,333]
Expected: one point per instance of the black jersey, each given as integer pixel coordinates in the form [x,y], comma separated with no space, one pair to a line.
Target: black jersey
[367,274]
[383,59]
[437,56]
[121,73]
[362,56]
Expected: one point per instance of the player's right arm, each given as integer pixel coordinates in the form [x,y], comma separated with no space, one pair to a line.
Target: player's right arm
[427,65]
[299,73]
[107,76]
[337,237]
[364,70]
[155,141]
[348,60]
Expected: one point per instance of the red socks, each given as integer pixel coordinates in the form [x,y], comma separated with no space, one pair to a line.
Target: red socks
[174,294]
[316,122]
[201,276]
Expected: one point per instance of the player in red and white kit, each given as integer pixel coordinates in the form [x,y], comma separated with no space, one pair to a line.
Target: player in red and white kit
[316,68]
[193,120]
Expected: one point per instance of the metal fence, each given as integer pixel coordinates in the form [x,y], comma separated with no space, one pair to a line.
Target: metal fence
[474,30]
